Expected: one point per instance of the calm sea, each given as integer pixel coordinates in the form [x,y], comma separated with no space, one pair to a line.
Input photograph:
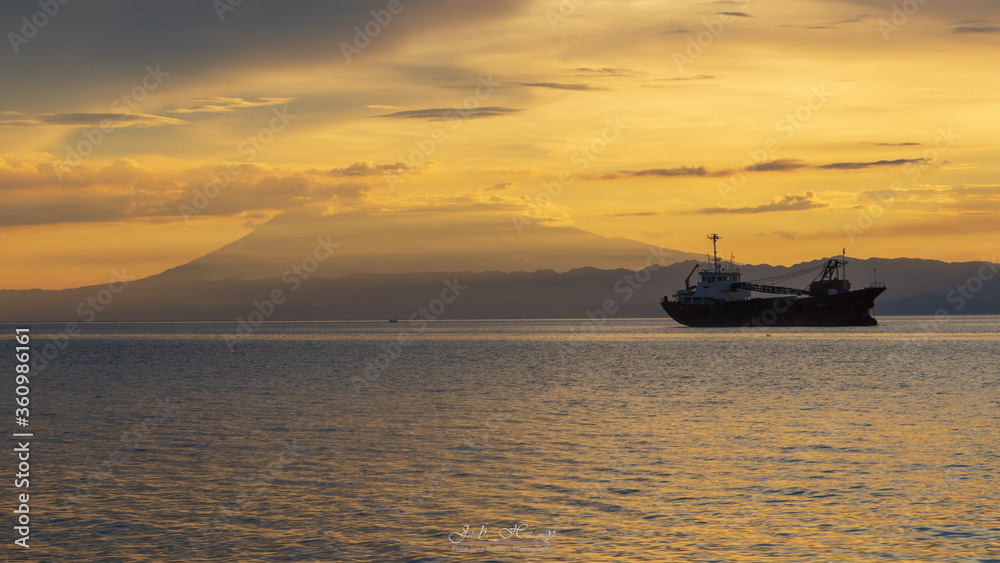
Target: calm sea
[623,440]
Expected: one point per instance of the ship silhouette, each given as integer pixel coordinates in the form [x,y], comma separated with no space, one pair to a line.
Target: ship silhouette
[722,299]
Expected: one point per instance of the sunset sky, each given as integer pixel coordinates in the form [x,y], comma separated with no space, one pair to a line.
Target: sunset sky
[791,128]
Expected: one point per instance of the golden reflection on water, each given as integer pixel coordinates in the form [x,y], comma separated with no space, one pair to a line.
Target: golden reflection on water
[737,483]
[641,443]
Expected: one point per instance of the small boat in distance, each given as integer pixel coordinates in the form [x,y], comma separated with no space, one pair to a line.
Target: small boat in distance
[721,299]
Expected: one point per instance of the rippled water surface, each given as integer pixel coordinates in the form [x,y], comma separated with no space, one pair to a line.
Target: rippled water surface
[627,440]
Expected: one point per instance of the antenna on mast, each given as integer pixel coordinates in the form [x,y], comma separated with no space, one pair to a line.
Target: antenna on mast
[715,253]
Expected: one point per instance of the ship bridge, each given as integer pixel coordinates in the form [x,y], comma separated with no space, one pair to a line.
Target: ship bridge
[718,283]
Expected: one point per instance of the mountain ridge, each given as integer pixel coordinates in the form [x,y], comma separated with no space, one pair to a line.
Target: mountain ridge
[400,243]
[915,286]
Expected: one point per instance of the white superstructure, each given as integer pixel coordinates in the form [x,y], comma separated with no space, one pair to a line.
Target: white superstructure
[715,284]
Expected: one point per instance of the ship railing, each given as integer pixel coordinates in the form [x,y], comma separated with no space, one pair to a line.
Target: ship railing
[877,284]
[761,288]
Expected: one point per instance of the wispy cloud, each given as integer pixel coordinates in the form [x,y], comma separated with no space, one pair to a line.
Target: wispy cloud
[85,119]
[877,163]
[789,202]
[831,25]
[946,199]
[503,186]
[224,105]
[450,114]
[666,172]
[779,165]
[468,202]
[606,72]
[686,78]
[976,29]
[635,214]
[125,190]
[561,86]
[366,168]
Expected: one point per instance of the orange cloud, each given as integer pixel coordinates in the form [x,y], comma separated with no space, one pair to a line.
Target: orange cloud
[225,105]
[790,202]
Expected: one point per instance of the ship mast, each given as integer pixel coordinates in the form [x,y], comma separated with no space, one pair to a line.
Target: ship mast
[714,237]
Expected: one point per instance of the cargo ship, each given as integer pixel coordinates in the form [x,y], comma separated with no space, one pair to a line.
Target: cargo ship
[722,299]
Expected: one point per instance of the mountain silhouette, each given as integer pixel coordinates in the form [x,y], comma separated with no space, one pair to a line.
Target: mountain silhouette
[924,287]
[301,266]
[404,243]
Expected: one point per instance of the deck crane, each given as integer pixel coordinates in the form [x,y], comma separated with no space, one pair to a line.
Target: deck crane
[687,280]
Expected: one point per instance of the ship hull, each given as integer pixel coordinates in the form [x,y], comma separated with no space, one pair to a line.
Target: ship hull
[851,308]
